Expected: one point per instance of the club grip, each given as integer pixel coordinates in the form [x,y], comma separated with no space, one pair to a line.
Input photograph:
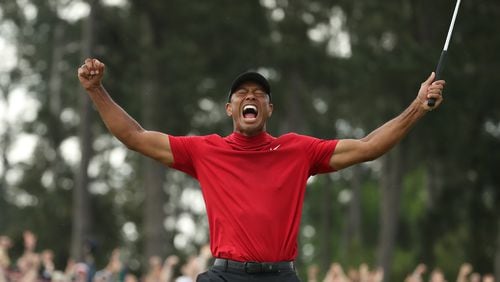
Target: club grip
[431,102]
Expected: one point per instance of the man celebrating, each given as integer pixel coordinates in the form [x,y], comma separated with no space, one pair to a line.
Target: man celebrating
[253,183]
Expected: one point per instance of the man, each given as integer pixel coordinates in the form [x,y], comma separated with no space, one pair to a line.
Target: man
[253,183]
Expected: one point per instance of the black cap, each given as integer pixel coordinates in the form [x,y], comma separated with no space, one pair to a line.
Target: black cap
[253,77]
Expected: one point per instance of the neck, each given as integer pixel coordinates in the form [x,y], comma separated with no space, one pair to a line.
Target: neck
[246,134]
[249,133]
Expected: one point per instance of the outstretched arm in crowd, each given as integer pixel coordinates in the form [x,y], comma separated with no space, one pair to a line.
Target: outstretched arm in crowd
[150,143]
[381,140]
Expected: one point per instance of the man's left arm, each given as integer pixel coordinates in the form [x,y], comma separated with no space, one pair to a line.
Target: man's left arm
[352,151]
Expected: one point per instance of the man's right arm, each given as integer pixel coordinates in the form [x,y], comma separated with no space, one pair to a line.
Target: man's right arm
[153,144]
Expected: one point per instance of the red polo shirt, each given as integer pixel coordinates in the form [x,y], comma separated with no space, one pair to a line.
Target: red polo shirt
[253,189]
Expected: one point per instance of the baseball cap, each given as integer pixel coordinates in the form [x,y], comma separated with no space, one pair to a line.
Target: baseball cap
[253,77]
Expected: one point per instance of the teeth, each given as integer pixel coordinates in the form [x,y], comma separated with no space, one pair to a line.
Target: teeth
[250,107]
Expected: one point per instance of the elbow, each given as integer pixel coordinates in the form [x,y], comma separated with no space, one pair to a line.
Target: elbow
[130,146]
[131,140]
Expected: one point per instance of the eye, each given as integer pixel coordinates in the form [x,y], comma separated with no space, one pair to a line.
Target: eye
[260,93]
[241,91]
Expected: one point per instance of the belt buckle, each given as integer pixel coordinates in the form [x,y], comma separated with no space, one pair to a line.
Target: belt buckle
[253,267]
[270,267]
[261,267]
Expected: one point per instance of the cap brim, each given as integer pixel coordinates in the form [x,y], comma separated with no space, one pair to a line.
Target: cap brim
[253,77]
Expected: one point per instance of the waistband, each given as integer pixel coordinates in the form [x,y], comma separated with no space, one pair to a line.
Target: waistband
[254,267]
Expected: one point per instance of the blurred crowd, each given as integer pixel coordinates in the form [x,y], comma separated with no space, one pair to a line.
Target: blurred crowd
[364,274]
[40,267]
[37,267]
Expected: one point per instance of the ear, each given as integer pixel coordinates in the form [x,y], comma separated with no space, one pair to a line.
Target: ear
[270,107]
[229,110]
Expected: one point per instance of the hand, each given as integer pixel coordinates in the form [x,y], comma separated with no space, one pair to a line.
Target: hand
[171,261]
[421,268]
[205,252]
[431,89]
[90,74]
[465,269]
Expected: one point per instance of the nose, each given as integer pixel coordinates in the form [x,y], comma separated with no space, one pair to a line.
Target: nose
[250,96]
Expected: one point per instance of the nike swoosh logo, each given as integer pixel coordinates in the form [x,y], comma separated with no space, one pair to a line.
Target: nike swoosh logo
[275,148]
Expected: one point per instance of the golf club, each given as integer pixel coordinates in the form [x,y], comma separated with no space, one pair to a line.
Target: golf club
[431,102]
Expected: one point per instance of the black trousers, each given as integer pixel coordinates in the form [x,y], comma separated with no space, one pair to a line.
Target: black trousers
[217,274]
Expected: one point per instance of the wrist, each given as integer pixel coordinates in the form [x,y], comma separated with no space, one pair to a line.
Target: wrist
[94,88]
[421,106]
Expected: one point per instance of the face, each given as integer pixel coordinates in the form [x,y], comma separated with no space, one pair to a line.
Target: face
[29,240]
[250,108]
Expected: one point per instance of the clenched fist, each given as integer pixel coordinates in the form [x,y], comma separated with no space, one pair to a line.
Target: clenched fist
[90,74]
[431,89]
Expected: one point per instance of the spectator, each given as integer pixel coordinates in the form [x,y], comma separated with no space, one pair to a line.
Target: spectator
[312,273]
[377,275]
[364,272]
[112,270]
[129,277]
[475,277]
[89,248]
[437,276]
[195,265]
[5,245]
[335,274]
[488,278]
[464,271]
[167,271]
[154,270]
[59,276]
[29,263]
[81,272]
[416,275]
[48,267]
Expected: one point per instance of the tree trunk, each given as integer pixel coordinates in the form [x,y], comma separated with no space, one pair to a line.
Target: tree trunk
[351,234]
[497,252]
[294,121]
[4,144]
[55,80]
[434,183]
[391,182]
[81,199]
[55,134]
[433,187]
[155,237]
[327,223]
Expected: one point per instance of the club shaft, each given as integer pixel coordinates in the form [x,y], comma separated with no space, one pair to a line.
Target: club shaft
[440,64]
[450,30]
[431,102]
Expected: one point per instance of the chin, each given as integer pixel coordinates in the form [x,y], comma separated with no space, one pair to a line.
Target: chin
[250,129]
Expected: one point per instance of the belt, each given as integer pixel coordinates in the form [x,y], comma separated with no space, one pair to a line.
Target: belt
[254,267]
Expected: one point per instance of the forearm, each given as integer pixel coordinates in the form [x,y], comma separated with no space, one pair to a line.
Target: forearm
[353,151]
[389,134]
[118,122]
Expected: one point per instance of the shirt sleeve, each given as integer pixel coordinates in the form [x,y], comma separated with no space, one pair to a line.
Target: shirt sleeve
[183,150]
[320,152]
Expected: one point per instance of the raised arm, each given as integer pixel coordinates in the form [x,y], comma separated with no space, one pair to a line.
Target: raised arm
[149,143]
[381,140]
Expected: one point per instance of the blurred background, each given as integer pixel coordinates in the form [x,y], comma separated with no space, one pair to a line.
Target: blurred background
[338,69]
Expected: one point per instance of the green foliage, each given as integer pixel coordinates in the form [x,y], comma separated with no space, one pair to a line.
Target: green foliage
[191,50]
[449,251]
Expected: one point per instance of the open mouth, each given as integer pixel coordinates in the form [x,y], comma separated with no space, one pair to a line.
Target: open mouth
[250,111]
